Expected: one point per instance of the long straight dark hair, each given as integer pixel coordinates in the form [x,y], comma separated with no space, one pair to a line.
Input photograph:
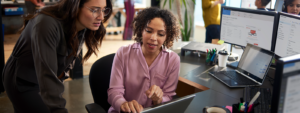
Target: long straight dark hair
[68,12]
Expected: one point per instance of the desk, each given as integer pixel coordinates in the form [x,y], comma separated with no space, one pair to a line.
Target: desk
[218,93]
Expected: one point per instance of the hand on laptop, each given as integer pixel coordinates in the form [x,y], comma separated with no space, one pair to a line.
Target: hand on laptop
[132,107]
[155,93]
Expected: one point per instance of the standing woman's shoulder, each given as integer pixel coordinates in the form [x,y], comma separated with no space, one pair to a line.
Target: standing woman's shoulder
[46,21]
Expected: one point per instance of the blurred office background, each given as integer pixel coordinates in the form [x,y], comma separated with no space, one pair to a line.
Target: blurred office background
[77,91]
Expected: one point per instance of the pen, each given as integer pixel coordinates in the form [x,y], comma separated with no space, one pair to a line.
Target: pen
[250,108]
[242,107]
[208,56]
[213,57]
[246,107]
[241,104]
[254,98]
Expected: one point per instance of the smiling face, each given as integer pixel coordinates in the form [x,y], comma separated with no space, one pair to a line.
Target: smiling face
[87,19]
[154,36]
[294,8]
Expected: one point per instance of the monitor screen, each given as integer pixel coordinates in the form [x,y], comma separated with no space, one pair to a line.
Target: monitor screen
[287,99]
[288,41]
[242,26]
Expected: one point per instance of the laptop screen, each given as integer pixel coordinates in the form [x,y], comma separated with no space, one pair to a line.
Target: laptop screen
[255,61]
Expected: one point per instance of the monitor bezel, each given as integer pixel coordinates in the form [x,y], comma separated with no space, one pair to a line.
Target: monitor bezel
[270,13]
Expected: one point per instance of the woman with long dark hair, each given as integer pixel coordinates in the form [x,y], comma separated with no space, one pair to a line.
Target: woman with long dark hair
[291,6]
[46,50]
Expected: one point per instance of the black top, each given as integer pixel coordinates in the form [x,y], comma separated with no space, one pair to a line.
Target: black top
[41,55]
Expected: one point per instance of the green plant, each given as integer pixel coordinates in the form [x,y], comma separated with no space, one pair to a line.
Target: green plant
[185,29]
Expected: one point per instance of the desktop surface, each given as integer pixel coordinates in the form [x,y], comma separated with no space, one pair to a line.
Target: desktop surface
[218,94]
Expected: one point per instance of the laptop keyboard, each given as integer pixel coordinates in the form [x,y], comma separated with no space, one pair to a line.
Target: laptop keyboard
[264,99]
[236,77]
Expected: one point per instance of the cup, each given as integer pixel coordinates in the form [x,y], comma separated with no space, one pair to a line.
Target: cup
[222,58]
[215,109]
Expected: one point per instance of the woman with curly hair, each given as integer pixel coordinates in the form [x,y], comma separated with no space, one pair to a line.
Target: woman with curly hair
[146,73]
[292,6]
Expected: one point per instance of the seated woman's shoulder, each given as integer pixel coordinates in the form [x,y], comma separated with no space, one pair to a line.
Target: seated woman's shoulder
[129,46]
[172,54]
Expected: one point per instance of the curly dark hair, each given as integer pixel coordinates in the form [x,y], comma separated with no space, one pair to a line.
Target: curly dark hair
[145,16]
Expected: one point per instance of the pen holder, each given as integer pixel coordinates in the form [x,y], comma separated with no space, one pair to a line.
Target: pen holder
[235,109]
[211,59]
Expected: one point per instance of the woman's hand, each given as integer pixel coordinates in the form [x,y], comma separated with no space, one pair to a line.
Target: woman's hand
[155,93]
[132,106]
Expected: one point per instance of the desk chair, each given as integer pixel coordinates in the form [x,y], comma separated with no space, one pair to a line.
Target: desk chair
[99,79]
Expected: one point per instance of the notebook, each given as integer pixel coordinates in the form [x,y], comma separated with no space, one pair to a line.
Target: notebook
[251,70]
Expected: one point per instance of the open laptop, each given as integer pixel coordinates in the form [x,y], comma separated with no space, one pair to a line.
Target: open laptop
[175,106]
[251,71]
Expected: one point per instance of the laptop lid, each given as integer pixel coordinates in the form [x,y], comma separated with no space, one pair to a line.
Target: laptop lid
[175,106]
[255,62]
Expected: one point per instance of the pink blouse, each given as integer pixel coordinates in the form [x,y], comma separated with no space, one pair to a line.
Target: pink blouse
[131,77]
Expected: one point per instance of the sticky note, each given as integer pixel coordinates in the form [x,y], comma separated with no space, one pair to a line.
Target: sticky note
[221,42]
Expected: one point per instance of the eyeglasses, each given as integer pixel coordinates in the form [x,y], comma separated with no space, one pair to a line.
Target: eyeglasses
[96,12]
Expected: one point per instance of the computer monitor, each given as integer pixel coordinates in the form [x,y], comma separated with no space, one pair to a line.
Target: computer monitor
[241,26]
[287,40]
[285,98]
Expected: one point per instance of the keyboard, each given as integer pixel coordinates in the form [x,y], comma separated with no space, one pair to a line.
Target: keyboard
[236,77]
[264,99]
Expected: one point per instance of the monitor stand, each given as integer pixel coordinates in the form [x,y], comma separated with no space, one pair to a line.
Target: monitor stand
[233,59]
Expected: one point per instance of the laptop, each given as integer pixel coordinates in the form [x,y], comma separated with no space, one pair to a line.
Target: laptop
[175,106]
[251,70]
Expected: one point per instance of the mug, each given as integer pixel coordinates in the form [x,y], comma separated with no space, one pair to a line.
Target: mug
[215,109]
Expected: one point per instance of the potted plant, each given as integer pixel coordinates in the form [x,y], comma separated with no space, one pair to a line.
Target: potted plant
[186,25]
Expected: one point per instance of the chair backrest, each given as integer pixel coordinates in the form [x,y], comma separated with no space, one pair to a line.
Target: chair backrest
[99,80]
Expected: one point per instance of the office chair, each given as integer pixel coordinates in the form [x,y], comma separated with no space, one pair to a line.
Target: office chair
[99,79]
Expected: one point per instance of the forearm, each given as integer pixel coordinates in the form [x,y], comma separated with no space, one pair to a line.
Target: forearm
[115,99]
